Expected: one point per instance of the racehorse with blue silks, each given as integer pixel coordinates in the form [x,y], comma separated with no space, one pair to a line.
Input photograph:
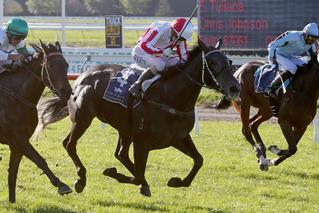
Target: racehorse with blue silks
[296,109]
[20,90]
[164,117]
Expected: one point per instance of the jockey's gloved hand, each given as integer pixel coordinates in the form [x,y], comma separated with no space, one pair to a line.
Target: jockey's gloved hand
[168,52]
[14,66]
[28,59]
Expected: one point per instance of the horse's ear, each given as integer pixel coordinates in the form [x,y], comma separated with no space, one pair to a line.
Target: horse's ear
[202,45]
[58,46]
[36,47]
[219,43]
[44,47]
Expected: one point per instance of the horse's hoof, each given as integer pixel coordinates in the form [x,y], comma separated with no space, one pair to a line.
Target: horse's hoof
[145,190]
[175,182]
[64,189]
[111,172]
[12,199]
[263,167]
[274,149]
[79,186]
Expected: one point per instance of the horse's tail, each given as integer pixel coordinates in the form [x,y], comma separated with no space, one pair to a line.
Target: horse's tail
[50,111]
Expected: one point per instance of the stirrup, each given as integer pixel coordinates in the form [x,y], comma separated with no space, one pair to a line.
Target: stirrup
[272,93]
[135,90]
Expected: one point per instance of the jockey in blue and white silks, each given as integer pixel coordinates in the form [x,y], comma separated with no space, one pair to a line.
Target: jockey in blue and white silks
[287,52]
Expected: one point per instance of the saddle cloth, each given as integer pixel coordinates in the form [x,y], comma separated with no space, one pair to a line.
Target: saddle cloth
[264,75]
[117,89]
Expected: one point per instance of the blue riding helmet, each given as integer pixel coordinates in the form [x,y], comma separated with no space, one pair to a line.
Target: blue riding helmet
[312,30]
[17,27]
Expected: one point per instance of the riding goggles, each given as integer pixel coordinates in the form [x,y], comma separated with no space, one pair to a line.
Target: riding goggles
[313,38]
[17,37]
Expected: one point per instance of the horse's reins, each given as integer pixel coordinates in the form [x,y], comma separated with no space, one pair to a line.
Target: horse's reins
[41,79]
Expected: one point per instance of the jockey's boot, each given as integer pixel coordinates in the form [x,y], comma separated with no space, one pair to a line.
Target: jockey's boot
[275,84]
[135,89]
[223,103]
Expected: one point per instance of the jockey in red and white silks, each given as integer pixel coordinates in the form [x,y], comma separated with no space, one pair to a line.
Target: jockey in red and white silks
[150,50]
[154,48]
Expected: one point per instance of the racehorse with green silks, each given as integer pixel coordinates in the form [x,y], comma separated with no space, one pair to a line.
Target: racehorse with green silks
[20,91]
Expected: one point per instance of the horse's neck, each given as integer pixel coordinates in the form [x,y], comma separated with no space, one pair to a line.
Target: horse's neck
[308,82]
[31,87]
[181,91]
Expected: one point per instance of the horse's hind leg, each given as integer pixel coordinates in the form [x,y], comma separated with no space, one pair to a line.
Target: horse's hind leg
[15,158]
[187,146]
[122,154]
[246,130]
[260,117]
[26,149]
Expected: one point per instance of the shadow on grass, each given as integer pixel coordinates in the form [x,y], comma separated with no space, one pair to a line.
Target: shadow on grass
[301,175]
[42,209]
[45,209]
[162,207]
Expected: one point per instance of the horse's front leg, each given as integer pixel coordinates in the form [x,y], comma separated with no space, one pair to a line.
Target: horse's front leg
[69,143]
[297,133]
[25,147]
[15,158]
[187,146]
[140,159]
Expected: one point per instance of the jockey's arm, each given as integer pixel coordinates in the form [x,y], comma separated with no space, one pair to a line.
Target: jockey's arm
[3,56]
[148,44]
[24,51]
[181,50]
[282,40]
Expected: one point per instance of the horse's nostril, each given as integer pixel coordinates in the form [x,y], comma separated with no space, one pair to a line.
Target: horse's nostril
[234,90]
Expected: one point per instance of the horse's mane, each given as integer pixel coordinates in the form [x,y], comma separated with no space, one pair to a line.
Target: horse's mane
[181,66]
[193,53]
[304,68]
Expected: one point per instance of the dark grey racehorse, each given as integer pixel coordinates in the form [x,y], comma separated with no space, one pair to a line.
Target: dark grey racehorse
[165,117]
[20,91]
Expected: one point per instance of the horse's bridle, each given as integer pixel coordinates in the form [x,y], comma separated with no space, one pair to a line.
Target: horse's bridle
[205,65]
[204,68]
[44,70]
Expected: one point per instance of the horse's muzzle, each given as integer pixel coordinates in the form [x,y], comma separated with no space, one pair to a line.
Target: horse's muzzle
[64,93]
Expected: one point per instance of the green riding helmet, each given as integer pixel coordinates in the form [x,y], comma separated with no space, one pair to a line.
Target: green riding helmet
[17,27]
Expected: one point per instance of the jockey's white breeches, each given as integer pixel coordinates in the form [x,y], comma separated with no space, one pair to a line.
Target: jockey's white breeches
[157,63]
[290,64]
